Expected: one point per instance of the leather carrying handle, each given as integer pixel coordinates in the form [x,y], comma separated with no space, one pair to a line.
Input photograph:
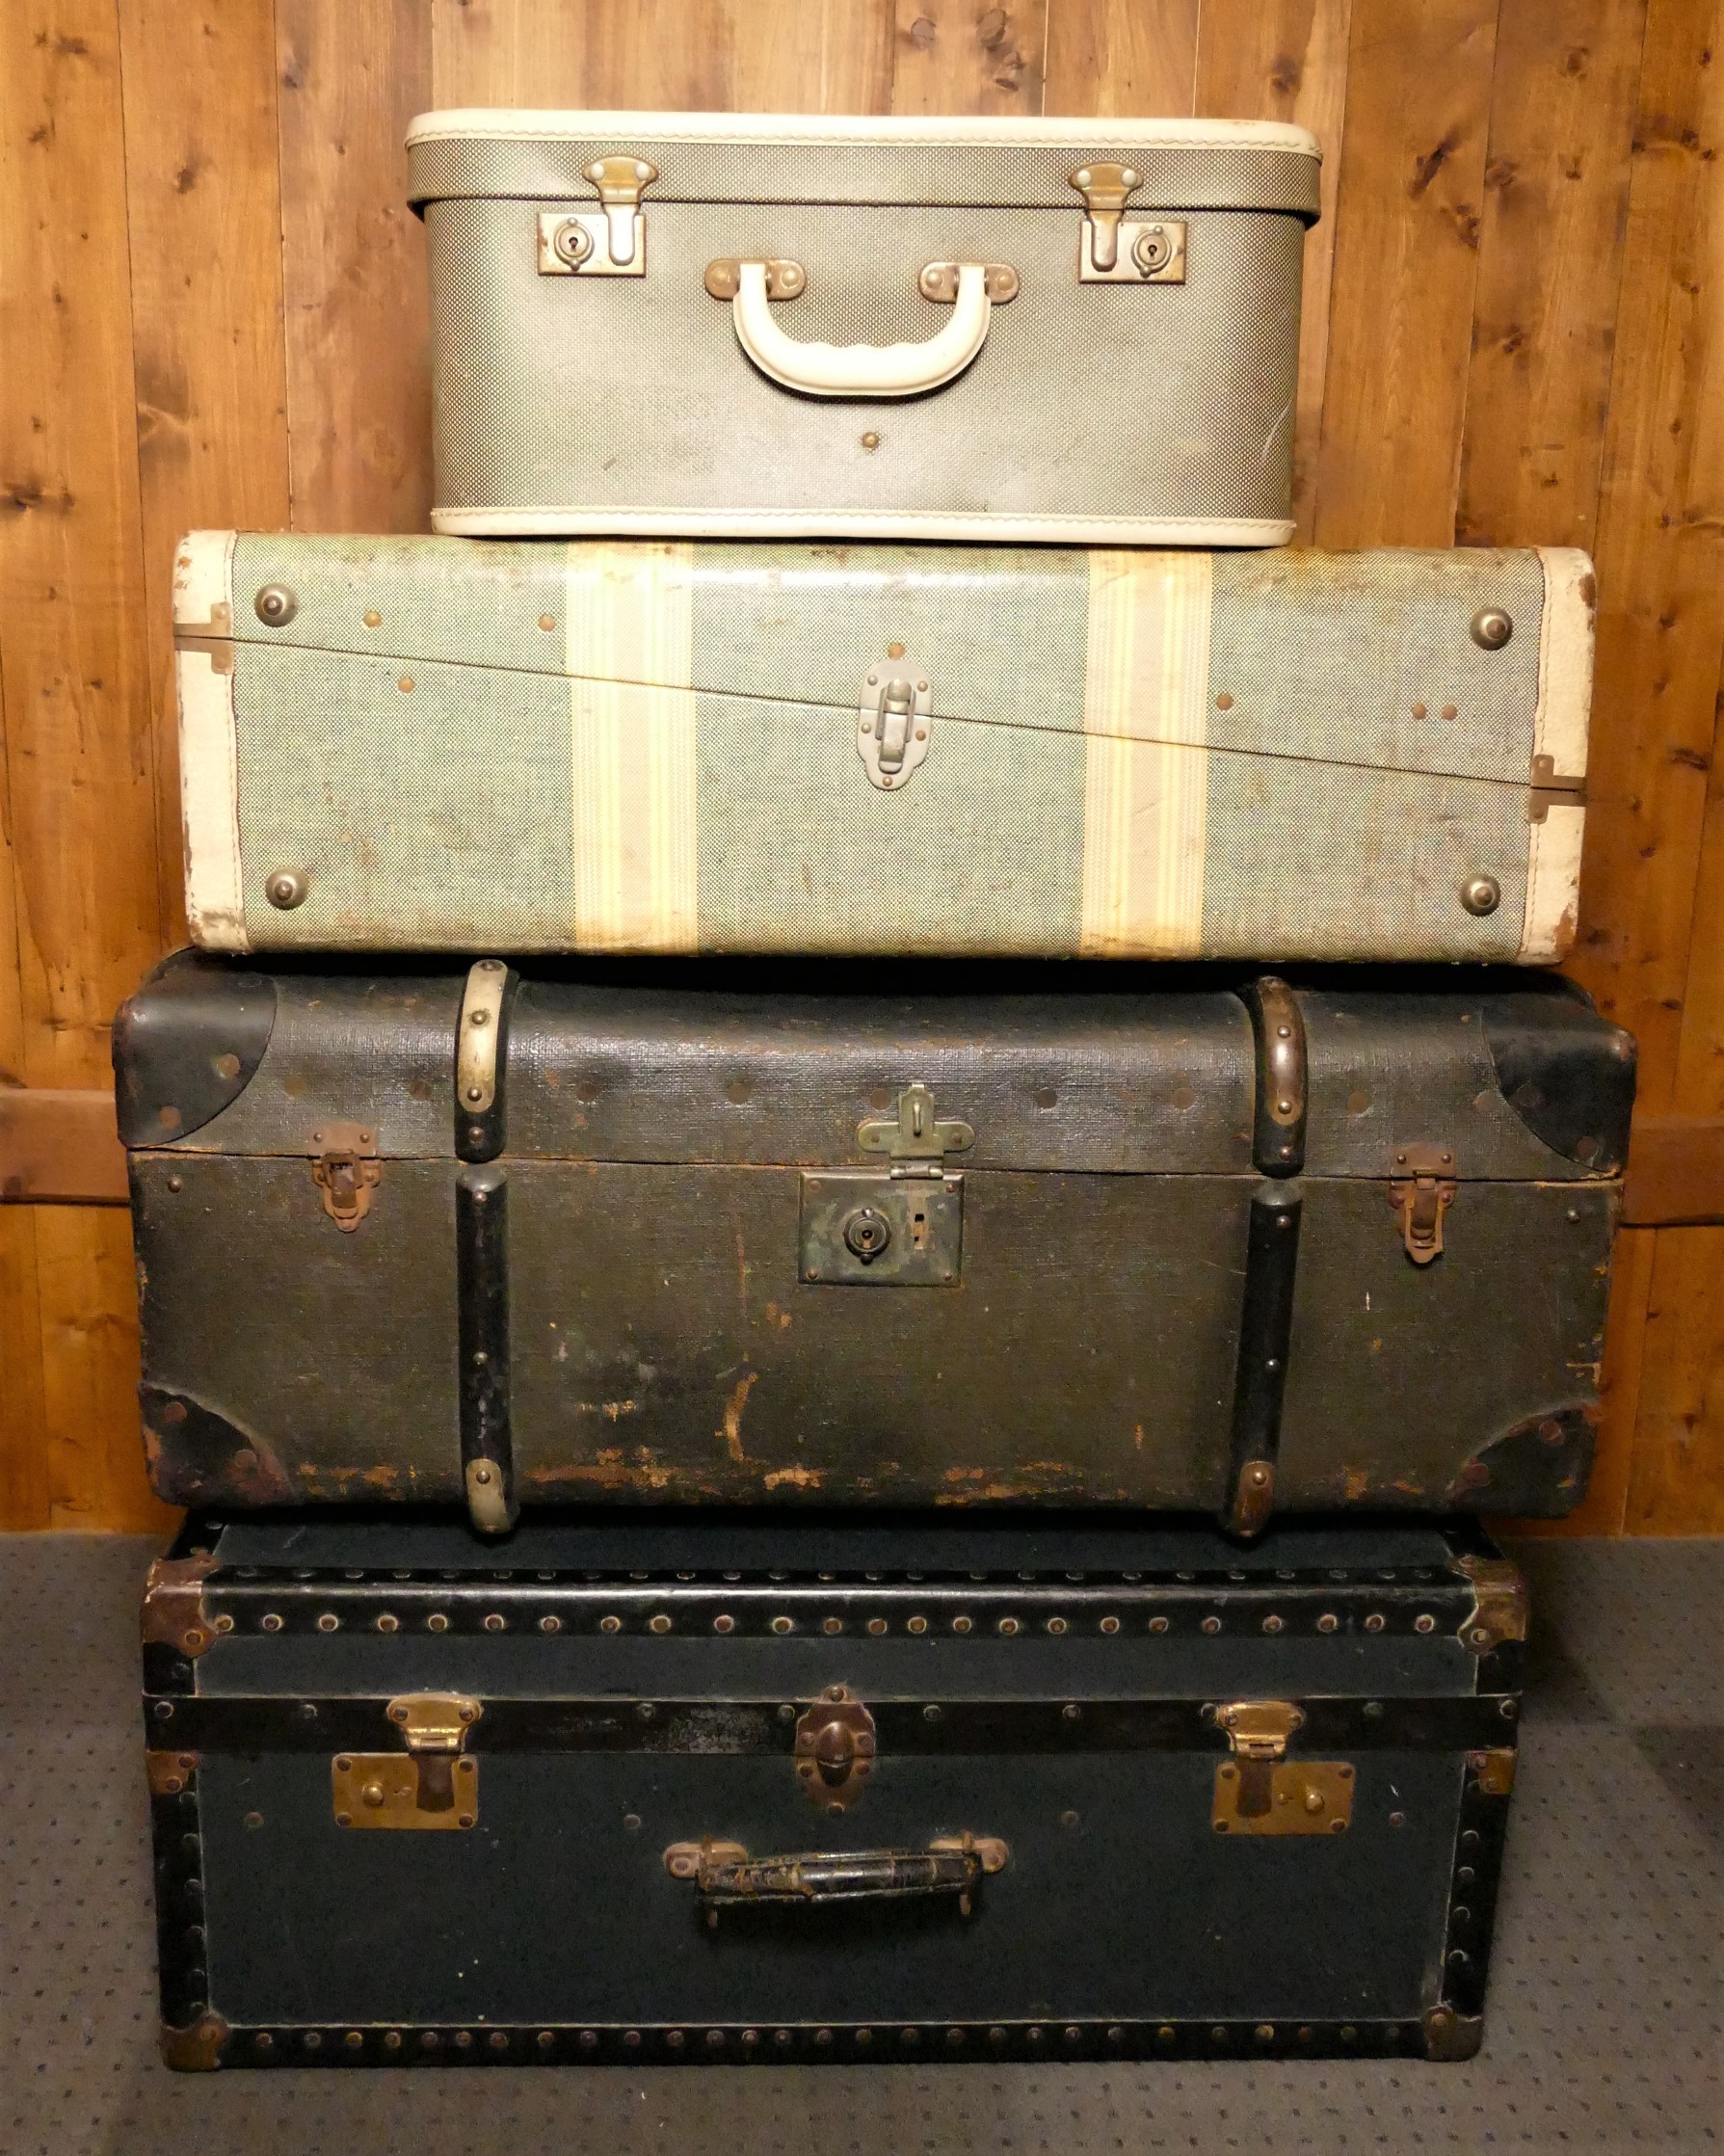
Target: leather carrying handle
[862,370]
[726,1875]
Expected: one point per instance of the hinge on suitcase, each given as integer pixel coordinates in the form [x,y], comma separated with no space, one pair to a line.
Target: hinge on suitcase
[346,1170]
[431,1785]
[1260,1790]
[1422,1192]
[608,242]
[1115,250]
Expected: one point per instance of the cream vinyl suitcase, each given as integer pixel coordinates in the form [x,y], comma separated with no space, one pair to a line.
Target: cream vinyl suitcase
[1077,331]
[638,747]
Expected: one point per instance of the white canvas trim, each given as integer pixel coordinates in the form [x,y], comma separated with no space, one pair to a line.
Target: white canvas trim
[208,750]
[492,124]
[898,524]
[202,577]
[1552,886]
[1562,718]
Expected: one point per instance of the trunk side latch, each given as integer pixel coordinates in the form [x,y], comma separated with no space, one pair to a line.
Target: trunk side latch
[431,1785]
[1422,1191]
[1260,1790]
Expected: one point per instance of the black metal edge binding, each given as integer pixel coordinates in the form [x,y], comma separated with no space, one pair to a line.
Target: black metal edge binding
[622,1721]
[1455,2026]
[1283,1087]
[482,1060]
[482,1291]
[1260,1376]
[859,1612]
[701,2043]
[191,2035]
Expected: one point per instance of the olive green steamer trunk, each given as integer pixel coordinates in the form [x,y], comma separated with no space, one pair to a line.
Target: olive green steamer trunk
[1129,1237]
[675,746]
[1083,331]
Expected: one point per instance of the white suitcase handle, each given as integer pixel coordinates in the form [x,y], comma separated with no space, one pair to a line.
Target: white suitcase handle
[862,370]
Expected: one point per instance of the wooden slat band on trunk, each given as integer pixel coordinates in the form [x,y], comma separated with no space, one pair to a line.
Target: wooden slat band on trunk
[1676,1171]
[60,1146]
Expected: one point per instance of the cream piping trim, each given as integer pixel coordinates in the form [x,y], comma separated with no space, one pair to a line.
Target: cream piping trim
[489,123]
[921,523]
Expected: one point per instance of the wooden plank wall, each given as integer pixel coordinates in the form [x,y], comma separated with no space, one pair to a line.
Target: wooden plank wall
[212,311]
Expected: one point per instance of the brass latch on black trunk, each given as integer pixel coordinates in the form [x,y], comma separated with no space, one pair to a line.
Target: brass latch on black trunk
[1260,1790]
[430,1785]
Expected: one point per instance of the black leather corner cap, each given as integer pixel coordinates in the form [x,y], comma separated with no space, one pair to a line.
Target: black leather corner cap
[1567,1073]
[187,1044]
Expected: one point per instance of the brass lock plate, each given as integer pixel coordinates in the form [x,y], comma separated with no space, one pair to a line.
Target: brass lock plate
[384,1789]
[1283,1796]
[863,1229]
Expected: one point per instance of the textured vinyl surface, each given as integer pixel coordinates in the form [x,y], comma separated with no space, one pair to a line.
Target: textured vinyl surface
[1603,2031]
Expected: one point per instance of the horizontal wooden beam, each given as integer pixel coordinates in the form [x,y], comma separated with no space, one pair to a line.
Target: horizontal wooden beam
[59,1148]
[1676,1172]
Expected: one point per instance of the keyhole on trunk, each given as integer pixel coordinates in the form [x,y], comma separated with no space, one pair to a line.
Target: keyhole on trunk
[918,1229]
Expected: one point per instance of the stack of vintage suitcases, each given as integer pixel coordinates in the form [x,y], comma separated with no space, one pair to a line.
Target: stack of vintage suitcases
[799,1448]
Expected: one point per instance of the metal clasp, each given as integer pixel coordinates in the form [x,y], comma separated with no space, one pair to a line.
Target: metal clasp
[836,1743]
[915,1135]
[1260,1791]
[431,1785]
[1112,251]
[893,722]
[608,242]
[346,1170]
[1422,1194]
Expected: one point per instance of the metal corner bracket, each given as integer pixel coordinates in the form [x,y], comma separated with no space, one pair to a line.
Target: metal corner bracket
[1500,1607]
[173,1614]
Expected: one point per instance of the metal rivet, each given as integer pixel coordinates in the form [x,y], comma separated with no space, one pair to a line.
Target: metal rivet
[406,684]
[1210,1624]
[550,1624]
[1425,1623]
[1492,628]
[548,620]
[285,889]
[871,440]
[780,1625]
[272,1622]
[329,1622]
[388,1623]
[437,1622]
[610,1624]
[494,1623]
[1482,894]
[1373,1623]
[274,606]
[371,618]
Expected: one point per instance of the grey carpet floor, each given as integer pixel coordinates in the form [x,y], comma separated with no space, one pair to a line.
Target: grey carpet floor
[1602,2030]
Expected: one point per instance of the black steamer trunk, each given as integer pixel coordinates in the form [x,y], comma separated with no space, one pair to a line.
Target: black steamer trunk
[1126,1236]
[701,1789]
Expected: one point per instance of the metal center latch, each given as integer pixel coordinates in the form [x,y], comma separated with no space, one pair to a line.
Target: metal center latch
[1422,1190]
[836,1743]
[900,1229]
[895,718]
[1114,250]
[1260,1790]
[431,1785]
[607,242]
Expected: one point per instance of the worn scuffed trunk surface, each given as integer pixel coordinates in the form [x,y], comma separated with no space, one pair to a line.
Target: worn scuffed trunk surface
[763,1240]
[943,1790]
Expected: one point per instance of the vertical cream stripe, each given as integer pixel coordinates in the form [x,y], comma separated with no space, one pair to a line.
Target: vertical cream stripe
[1146,714]
[629,645]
